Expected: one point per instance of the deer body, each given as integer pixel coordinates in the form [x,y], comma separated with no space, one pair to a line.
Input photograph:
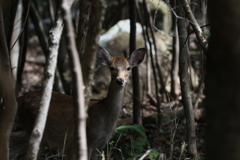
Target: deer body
[102,115]
[100,133]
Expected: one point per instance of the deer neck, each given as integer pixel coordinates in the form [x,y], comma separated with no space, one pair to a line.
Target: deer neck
[113,101]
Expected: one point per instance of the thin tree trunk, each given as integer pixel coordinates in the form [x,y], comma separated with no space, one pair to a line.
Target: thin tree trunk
[152,63]
[52,10]
[175,58]
[23,48]
[157,62]
[9,107]
[90,21]
[38,130]
[8,112]
[77,146]
[43,41]
[63,67]
[135,75]
[15,51]
[223,81]
[185,88]
[9,12]
[148,62]
[37,21]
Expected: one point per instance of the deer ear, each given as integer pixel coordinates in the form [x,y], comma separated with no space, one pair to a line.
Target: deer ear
[137,57]
[103,56]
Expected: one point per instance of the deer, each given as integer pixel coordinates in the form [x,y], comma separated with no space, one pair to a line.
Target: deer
[102,114]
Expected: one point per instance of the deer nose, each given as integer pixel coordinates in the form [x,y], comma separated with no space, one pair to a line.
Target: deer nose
[120,81]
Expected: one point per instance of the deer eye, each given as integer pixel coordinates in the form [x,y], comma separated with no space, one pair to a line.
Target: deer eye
[128,68]
[112,68]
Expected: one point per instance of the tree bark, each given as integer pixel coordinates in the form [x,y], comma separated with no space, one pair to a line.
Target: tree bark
[90,21]
[175,58]
[223,81]
[9,12]
[9,107]
[135,75]
[38,130]
[77,141]
[23,39]
[15,51]
[185,89]
[152,62]
[8,113]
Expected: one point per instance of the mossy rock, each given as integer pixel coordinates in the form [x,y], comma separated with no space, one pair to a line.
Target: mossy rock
[129,142]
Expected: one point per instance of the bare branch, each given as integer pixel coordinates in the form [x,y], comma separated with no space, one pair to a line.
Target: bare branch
[200,36]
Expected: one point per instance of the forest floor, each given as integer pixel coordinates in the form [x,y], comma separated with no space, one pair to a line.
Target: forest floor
[167,139]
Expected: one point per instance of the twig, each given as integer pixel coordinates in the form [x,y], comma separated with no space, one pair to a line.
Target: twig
[111,151]
[25,21]
[191,33]
[183,146]
[200,36]
[145,154]
[174,13]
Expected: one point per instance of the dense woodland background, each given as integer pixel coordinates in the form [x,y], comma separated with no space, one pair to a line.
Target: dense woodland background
[182,102]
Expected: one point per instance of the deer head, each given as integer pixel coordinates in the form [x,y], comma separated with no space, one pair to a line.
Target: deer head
[120,66]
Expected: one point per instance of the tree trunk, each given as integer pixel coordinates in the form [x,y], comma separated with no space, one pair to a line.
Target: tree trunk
[145,13]
[135,75]
[15,49]
[185,89]
[90,22]
[77,140]
[49,72]
[175,58]
[23,39]
[8,108]
[223,81]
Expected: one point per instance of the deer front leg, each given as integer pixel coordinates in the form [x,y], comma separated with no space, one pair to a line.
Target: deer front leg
[96,150]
